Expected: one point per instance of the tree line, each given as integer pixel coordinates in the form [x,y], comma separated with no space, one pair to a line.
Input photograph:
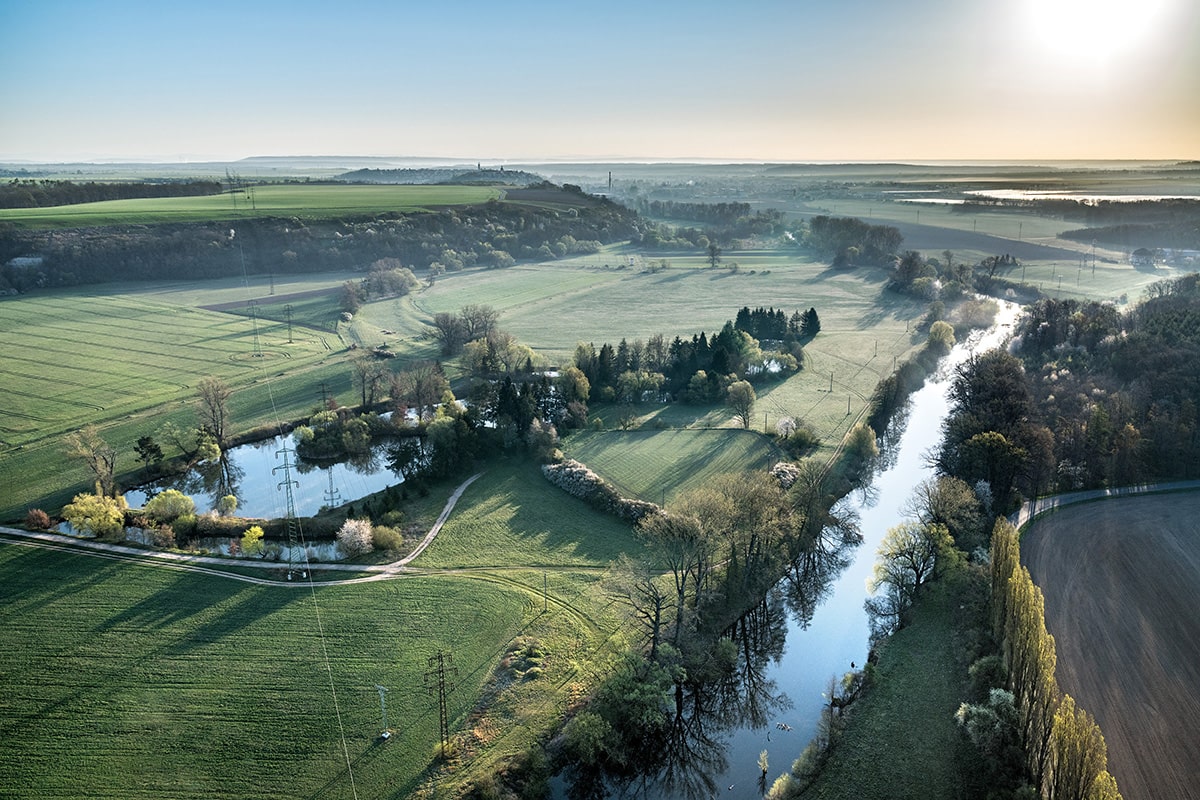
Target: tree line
[725,223]
[493,234]
[849,240]
[1032,730]
[47,193]
[1090,397]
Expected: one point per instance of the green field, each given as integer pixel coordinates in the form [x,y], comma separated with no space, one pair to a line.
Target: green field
[659,465]
[127,358]
[127,681]
[514,516]
[308,201]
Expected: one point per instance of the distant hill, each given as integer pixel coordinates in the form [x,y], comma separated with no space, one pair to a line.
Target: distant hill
[425,175]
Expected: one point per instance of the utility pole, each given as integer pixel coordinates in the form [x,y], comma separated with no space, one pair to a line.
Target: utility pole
[293,525]
[333,498]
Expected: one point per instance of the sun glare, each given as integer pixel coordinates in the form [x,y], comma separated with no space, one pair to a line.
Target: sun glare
[1096,33]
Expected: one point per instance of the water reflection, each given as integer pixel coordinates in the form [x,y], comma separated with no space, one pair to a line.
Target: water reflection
[808,579]
[685,756]
[828,570]
[253,474]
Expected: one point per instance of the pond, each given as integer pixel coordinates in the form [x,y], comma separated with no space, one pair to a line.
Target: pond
[811,627]
[254,473]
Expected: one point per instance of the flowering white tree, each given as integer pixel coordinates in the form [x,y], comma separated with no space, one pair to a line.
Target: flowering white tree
[354,537]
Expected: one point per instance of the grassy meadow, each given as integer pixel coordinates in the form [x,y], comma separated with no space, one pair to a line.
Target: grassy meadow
[1059,267]
[307,201]
[128,681]
[127,358]
[551,307]
[659,465]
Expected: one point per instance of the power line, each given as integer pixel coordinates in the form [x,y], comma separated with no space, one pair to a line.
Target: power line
[297,548]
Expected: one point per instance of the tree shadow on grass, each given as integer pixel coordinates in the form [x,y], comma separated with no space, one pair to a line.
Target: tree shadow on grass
[40,577]
[191,595]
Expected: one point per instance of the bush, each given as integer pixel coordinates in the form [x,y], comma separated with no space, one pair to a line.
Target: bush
[163,537]
[184,526]
[37,520]
[252,541]
[576,479]
[169,505]
[227,505]
[385,537]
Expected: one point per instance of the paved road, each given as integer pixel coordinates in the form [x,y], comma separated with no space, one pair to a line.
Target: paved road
[209,565]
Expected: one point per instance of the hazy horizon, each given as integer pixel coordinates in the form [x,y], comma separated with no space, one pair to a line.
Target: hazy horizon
[864,81]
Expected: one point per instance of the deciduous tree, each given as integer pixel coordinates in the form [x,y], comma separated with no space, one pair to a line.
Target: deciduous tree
[169,505]
[99,455]
[101,516]
[213,394]
[741,398]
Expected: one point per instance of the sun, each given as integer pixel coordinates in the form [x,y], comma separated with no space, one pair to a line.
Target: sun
[1096,33]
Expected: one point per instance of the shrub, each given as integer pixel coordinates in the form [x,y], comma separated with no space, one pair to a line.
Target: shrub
[227,505]
[387,538]
[576,479]
[169,505]
[184,526]
[37,520]
[163,537]
[252,541]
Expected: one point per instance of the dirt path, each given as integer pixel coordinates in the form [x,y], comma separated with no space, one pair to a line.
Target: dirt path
[208,565]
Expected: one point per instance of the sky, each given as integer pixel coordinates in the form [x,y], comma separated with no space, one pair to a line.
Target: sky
[757,80]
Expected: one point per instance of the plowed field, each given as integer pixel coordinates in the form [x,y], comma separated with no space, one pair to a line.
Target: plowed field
[1122,585]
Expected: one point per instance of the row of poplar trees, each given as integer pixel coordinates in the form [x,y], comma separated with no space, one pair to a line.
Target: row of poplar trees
[1065,753]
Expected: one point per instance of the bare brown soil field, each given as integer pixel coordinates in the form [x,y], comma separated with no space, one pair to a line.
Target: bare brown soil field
[1121,579]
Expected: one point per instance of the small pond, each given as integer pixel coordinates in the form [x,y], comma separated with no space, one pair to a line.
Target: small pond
[254,474]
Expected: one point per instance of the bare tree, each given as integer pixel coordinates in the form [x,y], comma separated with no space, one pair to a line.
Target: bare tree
[448,328]
[214,407]
[99,455]
[478,321]
[420,386]
[371,376]
[740,397]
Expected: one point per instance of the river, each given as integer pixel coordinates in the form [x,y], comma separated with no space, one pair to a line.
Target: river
[811,630]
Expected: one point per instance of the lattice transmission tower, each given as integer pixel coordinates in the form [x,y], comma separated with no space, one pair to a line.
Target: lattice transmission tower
[441,667]
[297,561]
